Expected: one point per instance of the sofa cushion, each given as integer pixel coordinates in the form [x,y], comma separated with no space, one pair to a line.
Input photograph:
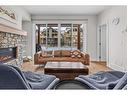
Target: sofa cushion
[65,53]
[44,55]
[76,53]
[64,59]
[57,53]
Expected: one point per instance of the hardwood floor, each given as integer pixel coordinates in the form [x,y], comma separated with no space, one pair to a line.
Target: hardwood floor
[29,66]
[93,68]
[96,66]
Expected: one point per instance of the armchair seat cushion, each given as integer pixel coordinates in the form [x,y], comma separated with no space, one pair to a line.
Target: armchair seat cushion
[13,78]
[122,82]
[38,80]
[102,80]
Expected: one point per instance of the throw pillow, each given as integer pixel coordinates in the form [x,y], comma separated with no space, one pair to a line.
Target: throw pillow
[76,53]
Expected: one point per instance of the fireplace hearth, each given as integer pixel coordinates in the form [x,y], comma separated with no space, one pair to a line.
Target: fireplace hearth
[7,54]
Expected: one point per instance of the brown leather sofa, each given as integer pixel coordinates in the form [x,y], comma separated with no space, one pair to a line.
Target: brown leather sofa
[61,56]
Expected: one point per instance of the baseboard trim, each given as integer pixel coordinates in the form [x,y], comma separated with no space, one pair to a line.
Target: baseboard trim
[116,67]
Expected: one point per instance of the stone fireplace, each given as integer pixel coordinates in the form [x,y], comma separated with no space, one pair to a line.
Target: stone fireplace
[12,48]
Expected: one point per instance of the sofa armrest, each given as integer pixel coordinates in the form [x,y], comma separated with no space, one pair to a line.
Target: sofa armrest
[86,58]
[36,57]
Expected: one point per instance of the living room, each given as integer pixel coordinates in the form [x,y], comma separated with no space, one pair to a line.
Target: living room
[63,46]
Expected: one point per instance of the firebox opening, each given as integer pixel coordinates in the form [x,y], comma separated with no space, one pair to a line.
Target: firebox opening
[7,54]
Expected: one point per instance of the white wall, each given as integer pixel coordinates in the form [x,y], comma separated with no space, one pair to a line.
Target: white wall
[92,24]
[20,13]
[27,26]
[92,38]
[30,28]
[117,36]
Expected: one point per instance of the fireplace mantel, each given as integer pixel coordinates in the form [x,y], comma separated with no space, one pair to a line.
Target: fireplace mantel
[8,29]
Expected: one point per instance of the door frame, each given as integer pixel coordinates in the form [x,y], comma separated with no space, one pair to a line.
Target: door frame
[107,42]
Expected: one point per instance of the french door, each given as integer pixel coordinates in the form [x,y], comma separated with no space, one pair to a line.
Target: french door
[102,42]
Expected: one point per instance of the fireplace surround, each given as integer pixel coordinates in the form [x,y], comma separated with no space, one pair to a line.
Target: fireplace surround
[16,44]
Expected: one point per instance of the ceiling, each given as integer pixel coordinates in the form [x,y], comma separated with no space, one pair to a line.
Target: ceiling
[64,9]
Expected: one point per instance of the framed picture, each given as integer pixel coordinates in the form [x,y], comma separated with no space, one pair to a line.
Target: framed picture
[8,15]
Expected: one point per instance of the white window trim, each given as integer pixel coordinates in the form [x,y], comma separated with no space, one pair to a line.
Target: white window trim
[59,22]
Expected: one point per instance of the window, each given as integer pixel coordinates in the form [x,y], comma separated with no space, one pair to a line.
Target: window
[55,36]
[66,36]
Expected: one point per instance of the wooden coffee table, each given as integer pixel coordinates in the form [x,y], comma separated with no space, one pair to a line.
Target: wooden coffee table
[65,70]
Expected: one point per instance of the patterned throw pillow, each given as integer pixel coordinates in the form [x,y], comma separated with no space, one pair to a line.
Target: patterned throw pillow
[76,53]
